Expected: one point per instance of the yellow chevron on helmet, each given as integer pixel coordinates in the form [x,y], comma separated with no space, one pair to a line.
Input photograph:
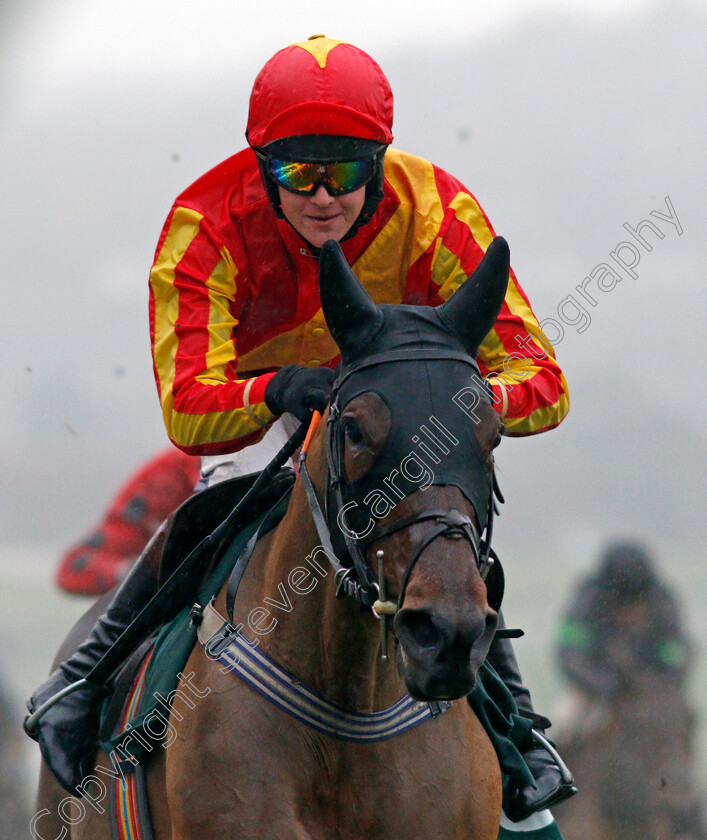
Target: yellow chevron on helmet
[319,46]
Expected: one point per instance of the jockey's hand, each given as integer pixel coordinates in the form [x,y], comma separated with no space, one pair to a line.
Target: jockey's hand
[299,390]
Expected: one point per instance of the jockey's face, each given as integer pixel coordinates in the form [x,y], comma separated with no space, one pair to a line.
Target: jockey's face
[320,216]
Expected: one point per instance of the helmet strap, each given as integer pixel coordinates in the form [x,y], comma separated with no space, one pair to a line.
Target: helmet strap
[374,196]
[270,188]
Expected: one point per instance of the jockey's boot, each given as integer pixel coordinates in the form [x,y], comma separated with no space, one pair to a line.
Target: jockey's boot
[68,732]
[553,780]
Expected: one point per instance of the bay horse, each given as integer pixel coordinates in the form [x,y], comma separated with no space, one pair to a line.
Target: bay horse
[398,483]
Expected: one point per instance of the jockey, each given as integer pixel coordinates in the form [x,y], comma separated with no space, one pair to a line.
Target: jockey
[239,341]
[102,559]
[623,624]
[624,654]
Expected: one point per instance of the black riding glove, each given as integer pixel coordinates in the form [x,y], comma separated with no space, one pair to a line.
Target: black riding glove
[299,390]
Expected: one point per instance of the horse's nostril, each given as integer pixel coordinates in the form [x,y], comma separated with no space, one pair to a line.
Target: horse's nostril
[420,628]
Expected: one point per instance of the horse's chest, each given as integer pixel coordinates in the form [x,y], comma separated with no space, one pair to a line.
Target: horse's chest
[256,772]
[389,796]
[429,783]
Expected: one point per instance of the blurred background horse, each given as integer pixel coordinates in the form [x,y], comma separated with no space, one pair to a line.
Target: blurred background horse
[625,723]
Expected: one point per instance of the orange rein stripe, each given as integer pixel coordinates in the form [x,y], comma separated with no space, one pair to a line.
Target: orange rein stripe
[314,423]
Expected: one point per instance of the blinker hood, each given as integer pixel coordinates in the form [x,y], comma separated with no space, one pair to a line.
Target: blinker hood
[416,358]
[431,440]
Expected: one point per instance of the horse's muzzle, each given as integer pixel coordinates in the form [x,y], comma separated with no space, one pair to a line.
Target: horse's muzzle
[438,659]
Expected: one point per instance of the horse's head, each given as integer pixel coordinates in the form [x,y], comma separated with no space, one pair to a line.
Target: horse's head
[411,434]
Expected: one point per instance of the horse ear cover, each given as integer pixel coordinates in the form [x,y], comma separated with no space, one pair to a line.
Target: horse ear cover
[481,296]
[353,318]
[362,330]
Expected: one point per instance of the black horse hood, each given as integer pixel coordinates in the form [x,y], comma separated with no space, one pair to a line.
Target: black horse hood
[418,359]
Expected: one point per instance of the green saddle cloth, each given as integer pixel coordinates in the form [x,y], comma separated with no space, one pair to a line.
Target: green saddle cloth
[173,646]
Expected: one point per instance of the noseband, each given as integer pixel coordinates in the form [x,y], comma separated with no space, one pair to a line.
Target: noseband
[356,579]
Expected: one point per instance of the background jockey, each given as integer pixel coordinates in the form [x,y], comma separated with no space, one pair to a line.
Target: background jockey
[239,341]
[625,656]
[622,626]
[103,557]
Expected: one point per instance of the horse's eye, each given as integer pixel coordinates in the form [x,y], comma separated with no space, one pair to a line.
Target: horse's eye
[353,432]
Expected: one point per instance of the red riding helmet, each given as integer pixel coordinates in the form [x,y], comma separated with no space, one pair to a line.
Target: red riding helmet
[320,86]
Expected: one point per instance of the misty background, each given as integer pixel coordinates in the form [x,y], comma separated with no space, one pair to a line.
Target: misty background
[564,122]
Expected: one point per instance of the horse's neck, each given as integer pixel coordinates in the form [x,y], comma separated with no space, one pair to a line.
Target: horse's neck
[328,644]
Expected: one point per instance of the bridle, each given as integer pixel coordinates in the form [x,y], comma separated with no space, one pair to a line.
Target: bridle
[356,579]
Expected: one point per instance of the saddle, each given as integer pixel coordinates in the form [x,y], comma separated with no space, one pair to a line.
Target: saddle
[203,512]
[146,685]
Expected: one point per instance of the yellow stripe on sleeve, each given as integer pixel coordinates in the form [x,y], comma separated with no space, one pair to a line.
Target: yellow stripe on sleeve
[183,228]
[447,272]
[219,426]
[413,180]
[468,211]
[541,418]
[190,429]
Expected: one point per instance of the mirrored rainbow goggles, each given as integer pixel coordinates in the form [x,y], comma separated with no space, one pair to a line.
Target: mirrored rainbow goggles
[338,178]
